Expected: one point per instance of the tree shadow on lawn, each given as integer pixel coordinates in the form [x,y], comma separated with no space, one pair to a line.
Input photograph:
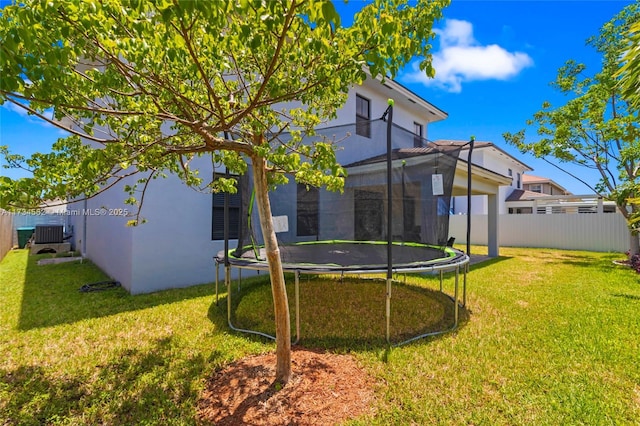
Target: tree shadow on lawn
[603,262]
[342,314]
[51,296]
[149,386]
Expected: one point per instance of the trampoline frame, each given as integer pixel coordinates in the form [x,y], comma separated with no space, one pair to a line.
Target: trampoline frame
[460,263]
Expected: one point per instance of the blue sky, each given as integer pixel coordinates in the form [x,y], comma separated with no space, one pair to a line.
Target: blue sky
[494,62]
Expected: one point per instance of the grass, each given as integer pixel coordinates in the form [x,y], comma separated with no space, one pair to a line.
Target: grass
[551,337]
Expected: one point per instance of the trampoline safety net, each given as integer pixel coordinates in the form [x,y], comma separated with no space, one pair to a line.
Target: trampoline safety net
[422,174]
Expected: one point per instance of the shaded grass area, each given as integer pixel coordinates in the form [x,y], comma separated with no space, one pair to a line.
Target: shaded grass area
[551,337]
[349,313]
[104,357]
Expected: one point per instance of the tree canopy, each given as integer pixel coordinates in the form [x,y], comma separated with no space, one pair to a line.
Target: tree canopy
[145,86]
[153,83]
[630,68]
[596,128]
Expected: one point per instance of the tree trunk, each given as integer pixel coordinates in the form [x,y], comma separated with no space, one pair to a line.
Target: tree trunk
[634,243]
[278,289]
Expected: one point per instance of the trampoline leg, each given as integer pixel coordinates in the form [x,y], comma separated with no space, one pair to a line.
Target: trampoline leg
[217,278]
[227,283]
[464,285]
[227,280]
[388,310]
[297,295]
[239,279]
[455,298]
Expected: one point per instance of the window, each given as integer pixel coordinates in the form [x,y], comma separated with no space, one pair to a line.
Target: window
[363,115]
[536,188]
[518,181]
[587,209]
[510,172]
[217,226]
[417,131]
[520,210]
[307,210]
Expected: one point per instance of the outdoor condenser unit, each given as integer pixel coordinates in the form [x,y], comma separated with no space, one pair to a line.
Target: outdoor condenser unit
[49,234]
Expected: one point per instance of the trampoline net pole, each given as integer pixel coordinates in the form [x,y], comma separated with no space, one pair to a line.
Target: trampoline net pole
[389,221]
[389,195]
[471,143]
[388,310]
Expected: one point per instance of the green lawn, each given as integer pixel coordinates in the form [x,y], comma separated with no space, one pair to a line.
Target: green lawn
[550,337]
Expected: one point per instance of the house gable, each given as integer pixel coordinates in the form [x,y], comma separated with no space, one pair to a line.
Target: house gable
[543,185]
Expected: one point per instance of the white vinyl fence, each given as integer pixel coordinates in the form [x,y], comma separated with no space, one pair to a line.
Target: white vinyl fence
[603,232]
[6,233]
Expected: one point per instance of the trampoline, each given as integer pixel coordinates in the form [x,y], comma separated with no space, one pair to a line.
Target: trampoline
[351,257]
[392,217]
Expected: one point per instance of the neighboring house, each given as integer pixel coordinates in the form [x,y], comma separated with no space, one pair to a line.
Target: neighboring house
[541,195]
[528,202]
[184,228]
[542,185]
[488,156]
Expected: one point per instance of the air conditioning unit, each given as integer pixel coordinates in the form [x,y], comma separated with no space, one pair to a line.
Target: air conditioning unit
[49,234]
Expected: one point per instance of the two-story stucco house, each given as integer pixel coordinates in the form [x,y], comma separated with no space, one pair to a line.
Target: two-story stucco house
[182,233]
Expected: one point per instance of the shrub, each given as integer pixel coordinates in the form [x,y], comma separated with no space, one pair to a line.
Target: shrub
[635,262]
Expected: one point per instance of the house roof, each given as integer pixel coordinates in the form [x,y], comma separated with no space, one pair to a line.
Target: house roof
[521,195]
[488,146]
[531,179]
[402,95]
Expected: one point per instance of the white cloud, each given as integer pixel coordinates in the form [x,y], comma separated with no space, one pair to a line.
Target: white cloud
[32,119]
[462,59]
[10,106]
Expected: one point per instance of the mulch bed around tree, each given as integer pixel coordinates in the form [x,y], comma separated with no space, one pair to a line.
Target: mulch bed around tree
[325,389]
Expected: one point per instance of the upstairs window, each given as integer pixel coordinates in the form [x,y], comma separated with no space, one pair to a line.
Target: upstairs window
[307,207]
[217,222]
[418,132]
[363,116]
[535,188]
[518,181]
